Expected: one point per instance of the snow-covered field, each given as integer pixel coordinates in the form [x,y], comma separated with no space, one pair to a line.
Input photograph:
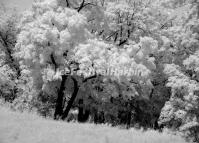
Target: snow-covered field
[28,128]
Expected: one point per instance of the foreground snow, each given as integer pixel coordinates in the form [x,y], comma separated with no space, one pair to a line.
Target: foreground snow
[26,128]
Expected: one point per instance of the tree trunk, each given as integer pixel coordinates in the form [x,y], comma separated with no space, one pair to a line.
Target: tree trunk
[59,102]
[74,95]
[72,99]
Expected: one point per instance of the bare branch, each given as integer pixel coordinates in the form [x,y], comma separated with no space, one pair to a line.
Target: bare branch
[90,77]
[83,4]
[67,3]
[122,42]
[53,61]
[111,35]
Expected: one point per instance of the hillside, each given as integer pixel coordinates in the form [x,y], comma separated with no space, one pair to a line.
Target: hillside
[28,128]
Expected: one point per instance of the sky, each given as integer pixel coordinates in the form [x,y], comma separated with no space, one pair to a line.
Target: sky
[20,4]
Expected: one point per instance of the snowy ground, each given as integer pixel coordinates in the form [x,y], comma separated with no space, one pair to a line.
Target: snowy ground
[27,128]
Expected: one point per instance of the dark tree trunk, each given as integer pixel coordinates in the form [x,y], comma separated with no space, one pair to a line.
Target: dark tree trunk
[128,115]
[72,99]
[83,112]
[59,102]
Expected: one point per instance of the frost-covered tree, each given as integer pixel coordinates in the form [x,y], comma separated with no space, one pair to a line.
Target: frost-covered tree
[56,42]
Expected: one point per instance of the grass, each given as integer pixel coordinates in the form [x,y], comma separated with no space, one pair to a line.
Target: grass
[28,128]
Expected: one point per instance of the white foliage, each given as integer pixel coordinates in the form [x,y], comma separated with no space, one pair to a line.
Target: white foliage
[45,31]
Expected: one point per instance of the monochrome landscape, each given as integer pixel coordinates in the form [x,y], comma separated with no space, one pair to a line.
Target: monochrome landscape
[99,71]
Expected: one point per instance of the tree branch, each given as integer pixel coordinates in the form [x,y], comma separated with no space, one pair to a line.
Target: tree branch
[67,3]
[122,42]
[53,61]
[90,77]
[83,4]
[111,35]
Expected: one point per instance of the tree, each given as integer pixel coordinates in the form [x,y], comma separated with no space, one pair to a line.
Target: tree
[55,43]
[8,65]
[181,111]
